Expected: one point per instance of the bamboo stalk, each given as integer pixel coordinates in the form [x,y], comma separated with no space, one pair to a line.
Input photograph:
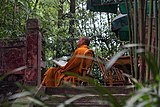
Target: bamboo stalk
[130,36]
[145,10]
[159,44]
[149,35]
[135,39]
[142,26]
[156,30]
[159,34]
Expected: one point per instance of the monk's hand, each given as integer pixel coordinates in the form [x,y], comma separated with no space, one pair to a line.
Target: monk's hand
[63,67]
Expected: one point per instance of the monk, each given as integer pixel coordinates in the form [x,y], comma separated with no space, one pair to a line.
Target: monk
[54,75]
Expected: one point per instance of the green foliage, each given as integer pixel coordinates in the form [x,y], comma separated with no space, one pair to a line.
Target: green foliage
[13,16]
[56,38]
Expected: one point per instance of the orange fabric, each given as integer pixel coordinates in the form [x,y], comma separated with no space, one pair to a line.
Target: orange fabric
[53,76]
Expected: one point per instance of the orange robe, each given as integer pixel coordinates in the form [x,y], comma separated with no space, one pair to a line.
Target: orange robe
[54,75]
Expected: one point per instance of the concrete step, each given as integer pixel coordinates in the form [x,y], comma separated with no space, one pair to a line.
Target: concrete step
[87,96]
[88,89]
[86,100]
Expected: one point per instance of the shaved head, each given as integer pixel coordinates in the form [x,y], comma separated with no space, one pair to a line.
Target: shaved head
[83,41]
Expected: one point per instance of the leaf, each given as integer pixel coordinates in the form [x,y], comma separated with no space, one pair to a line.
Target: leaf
[19,95]
[134,98]
[37,102]
[114,59]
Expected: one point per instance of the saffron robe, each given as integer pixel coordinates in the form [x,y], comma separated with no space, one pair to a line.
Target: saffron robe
[54,75]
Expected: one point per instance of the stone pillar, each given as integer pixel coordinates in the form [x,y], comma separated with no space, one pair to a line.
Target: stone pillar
[33,41]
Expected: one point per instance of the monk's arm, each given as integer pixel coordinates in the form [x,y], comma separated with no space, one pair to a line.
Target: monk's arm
[73,62]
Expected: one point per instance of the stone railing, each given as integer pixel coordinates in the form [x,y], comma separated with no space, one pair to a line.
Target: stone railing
[22,56]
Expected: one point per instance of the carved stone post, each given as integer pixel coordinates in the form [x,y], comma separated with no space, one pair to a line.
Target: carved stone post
[33,41]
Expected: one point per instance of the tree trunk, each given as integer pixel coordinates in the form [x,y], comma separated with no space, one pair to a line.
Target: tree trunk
[59,24]
[71,22]
[60,13]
